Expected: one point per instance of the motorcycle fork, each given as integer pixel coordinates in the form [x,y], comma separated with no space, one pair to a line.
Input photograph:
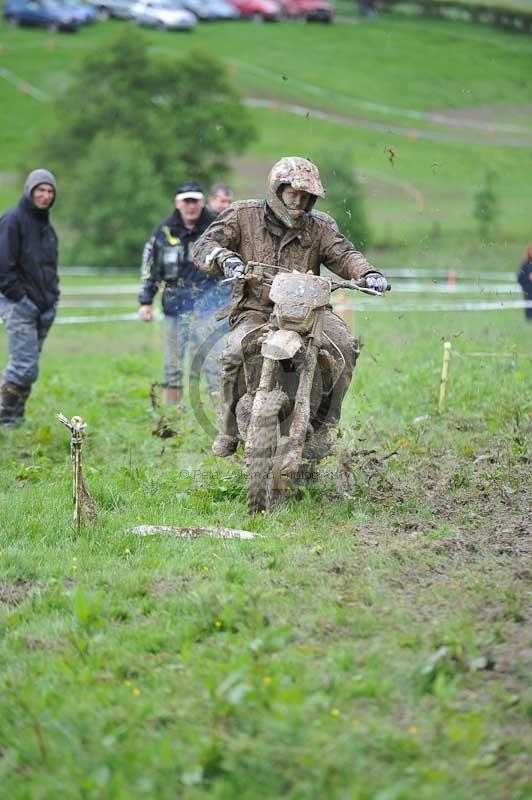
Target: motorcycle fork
[267,376]
[301,413]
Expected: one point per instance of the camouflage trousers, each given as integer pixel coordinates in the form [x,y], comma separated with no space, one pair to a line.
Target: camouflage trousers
[27,327]
[333,327]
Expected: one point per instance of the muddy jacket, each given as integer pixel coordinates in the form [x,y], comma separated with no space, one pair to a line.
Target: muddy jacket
[28,255]
[167,260]
[249,230]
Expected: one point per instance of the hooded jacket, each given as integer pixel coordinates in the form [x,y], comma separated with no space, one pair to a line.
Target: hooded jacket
[28,249]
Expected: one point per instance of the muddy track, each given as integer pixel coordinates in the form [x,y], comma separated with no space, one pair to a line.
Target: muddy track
[464,135]
[466,131]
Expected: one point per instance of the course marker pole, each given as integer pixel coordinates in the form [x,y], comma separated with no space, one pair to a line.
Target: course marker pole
[80,496]
[444,371]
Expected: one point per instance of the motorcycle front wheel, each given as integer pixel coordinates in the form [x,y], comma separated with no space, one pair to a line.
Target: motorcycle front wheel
[264,491]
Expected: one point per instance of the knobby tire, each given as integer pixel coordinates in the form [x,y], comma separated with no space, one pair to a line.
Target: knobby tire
[262,494]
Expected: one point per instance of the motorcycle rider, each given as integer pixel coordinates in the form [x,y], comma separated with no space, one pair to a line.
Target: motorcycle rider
[284,230]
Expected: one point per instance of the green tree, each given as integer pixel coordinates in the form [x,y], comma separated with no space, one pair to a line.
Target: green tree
[486,206]
[345,197]
[182,114]
[115,199]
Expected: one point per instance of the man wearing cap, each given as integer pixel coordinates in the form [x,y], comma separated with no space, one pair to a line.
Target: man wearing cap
[167,262]
[29,289]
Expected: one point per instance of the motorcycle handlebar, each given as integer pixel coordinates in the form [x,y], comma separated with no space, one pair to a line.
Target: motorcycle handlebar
[359,285]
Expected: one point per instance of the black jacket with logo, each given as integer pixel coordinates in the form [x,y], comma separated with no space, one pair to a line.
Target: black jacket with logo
[28,255]
[167,260]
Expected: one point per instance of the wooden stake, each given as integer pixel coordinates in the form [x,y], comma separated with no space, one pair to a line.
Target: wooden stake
[444,371]
[81,498]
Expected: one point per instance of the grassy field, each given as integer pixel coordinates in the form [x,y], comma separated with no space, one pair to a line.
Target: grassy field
[382,89]
[373,641]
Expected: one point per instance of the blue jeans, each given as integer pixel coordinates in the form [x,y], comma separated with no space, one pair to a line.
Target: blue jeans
[27,327]
[195,327]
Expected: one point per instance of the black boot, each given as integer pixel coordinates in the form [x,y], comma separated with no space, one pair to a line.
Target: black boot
[12,403]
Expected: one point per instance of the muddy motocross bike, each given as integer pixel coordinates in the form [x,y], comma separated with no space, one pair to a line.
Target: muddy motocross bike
[290,368]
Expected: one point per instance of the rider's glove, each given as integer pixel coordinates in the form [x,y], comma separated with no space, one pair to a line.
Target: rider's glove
[234,267]
[376,281]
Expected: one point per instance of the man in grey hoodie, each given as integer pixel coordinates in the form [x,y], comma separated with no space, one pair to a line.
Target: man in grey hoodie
[29,289]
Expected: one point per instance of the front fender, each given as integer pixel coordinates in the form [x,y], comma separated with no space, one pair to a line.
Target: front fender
[282,344]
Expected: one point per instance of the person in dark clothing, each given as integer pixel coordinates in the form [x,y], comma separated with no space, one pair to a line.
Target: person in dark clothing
[220,197]
[29,289]
[186,293]
[524,278]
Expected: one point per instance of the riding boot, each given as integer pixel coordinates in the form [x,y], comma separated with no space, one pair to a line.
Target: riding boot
[12,403]
[226,441]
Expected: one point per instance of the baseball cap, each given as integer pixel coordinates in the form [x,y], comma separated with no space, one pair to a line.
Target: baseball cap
[190,190]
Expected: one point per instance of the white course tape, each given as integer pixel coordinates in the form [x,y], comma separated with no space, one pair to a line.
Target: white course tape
[375,305]
[380,305]
[97,318]
[393,272]
[124,302]
[123,288]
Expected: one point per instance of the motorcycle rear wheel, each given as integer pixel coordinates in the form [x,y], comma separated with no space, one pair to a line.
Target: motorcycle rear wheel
[264,494]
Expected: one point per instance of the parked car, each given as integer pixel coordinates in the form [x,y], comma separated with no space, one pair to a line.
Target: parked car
[162,14]
[259,10]
[199,8]
[209,10]
[121,9]
[309,10]
[42,13]
[86,14]
[223,9]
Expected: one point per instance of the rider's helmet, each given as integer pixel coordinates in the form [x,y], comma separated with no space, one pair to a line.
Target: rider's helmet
[302,175]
